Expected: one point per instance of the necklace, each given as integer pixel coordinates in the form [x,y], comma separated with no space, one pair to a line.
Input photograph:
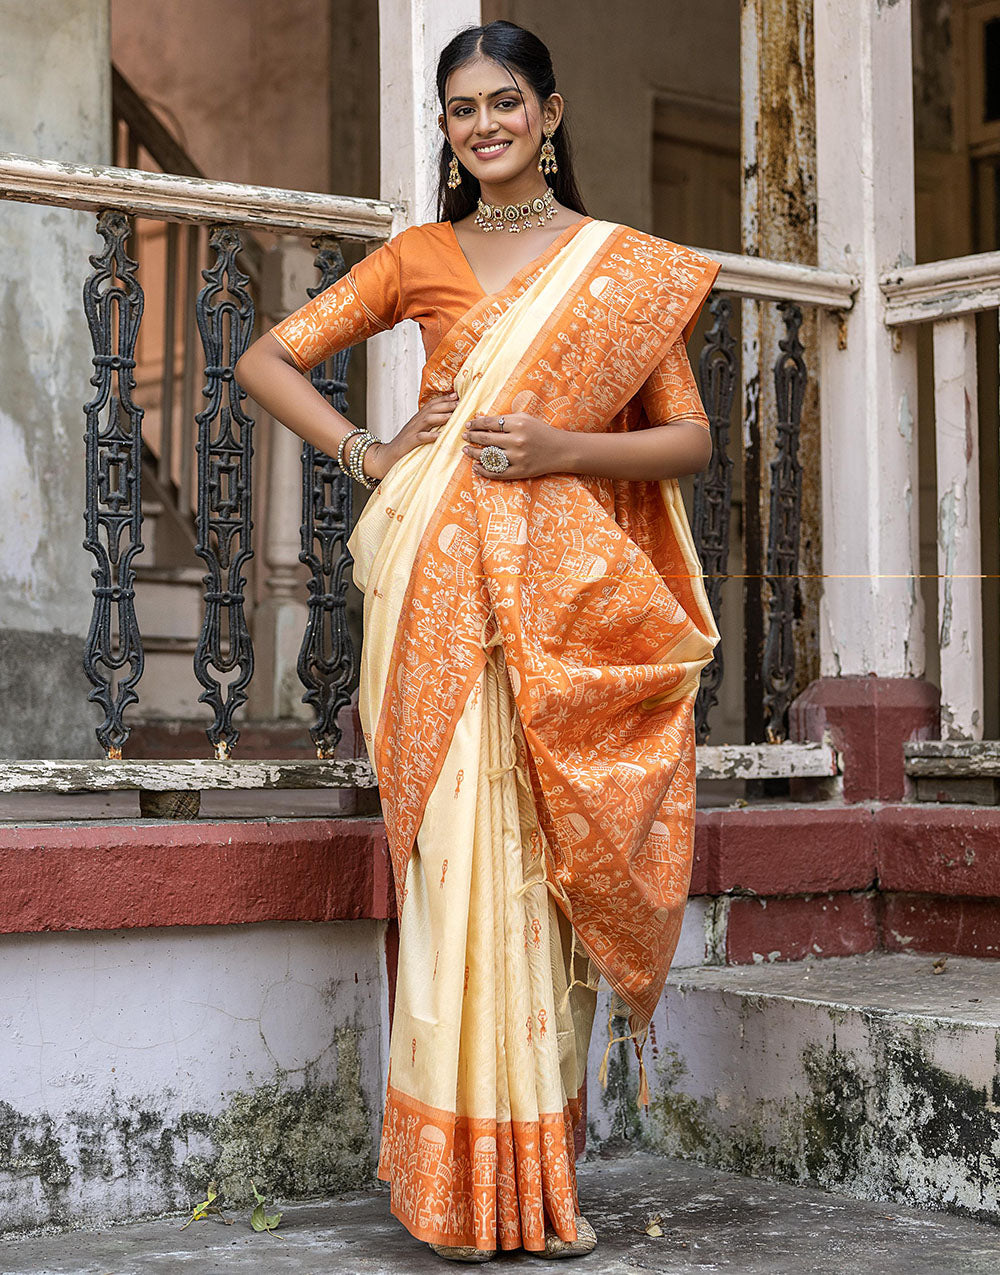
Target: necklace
[515,217]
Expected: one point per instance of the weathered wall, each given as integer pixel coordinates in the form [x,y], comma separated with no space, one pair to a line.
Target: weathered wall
[244,85]
[55,76]
[610,68]
[135,1066]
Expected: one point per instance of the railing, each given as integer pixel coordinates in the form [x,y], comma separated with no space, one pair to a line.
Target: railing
[113,303]
[770,568]
[948,295]
[170,258]
[224,310]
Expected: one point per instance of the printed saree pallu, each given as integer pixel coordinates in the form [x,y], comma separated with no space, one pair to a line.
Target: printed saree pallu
[532,652]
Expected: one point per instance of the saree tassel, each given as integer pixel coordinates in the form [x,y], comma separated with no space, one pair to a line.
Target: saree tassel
[643,1084]
[602,1071]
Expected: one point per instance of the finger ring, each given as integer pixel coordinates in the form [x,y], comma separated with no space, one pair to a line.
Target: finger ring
[500,424]
[494,460]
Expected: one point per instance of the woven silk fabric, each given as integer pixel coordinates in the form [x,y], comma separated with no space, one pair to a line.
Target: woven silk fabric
[531,657]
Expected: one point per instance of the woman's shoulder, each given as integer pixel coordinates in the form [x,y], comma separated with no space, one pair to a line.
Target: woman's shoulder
[427,234]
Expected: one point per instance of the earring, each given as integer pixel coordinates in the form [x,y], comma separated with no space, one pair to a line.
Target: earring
[454,176]
[547,156]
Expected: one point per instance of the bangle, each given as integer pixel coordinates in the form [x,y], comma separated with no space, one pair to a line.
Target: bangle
[343,443]
[356,461]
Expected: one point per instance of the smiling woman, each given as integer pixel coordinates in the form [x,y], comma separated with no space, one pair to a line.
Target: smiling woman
[535,628]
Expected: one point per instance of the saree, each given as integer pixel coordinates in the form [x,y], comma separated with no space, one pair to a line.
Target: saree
[531,657]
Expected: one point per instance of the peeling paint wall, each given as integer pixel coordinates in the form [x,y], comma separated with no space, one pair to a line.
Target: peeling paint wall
[55,73]
[136,1066]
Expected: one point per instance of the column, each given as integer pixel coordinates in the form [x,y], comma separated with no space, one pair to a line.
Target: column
[280,618]
[55,65]
[778,215]
[412,34]
[871,614]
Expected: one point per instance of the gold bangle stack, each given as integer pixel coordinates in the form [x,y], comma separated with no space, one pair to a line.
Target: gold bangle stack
[353,466]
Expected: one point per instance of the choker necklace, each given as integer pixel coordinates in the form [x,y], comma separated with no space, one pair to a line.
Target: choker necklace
[515,217]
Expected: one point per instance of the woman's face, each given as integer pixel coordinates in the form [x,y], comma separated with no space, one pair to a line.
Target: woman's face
[494,120]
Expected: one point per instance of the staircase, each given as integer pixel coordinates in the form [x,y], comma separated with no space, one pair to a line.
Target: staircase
[876,1075]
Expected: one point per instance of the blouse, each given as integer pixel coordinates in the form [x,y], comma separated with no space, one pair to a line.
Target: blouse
[423,274]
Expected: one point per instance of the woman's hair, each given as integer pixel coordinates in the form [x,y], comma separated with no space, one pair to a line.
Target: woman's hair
[516,50]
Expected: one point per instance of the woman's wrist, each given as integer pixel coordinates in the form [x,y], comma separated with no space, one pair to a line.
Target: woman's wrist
[378,460]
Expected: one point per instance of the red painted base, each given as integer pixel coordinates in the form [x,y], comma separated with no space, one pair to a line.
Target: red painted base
[796,880]
[867,719]
[790,929]
[136,876]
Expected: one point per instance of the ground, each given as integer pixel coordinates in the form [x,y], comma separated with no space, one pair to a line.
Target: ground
[711,1221]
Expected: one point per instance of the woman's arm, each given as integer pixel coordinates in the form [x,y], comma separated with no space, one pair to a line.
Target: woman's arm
[534,447]
[268,374]
[674,450]
[266,371]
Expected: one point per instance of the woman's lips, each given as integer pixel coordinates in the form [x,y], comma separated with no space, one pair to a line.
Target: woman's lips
[489,150]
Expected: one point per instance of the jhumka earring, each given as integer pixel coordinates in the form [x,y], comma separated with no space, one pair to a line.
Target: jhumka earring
[454,176]
[547,156]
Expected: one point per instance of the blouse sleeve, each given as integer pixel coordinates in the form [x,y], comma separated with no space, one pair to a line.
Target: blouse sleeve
[366,300]
[671,392]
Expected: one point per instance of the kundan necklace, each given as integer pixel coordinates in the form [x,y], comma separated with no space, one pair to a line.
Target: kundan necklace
[515,217]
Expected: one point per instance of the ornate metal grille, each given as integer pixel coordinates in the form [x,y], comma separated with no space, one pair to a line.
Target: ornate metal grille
[326,664]
[225,447]
[713,488]
[784,525]
[113,301]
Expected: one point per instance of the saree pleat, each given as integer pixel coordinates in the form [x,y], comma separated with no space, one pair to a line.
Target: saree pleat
[493,1166]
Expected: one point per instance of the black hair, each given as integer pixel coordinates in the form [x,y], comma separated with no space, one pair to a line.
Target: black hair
[515,49]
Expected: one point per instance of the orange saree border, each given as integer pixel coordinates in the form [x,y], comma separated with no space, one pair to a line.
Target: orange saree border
[459,1180]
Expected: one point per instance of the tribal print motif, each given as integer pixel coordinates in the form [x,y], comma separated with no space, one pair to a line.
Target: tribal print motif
[592,592]
[486,1183]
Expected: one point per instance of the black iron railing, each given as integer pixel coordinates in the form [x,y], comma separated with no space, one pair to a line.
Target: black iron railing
[769,618]
[223,660]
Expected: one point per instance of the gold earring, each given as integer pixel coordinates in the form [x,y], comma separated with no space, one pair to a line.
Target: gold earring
[454,176]
[547,156]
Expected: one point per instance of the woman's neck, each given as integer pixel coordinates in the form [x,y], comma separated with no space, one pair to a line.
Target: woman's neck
[519,190]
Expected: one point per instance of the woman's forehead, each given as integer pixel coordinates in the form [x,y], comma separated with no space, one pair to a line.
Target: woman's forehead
[479,77]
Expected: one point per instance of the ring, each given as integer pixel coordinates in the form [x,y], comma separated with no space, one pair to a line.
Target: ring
[494,460]
[500,424]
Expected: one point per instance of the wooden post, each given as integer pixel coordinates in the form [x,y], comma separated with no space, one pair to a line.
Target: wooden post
[960,605]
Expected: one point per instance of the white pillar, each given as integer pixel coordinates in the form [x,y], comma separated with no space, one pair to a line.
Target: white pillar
[871,616]
[412,34]
[279,619]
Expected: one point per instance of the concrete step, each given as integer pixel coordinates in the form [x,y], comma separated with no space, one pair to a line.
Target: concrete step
[878,1075]
[709,1221]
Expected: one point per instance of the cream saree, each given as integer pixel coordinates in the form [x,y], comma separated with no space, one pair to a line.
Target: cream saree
[532,651]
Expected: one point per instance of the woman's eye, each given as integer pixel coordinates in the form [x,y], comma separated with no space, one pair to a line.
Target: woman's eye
[508,101]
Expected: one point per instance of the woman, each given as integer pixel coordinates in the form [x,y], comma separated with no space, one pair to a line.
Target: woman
[535,626]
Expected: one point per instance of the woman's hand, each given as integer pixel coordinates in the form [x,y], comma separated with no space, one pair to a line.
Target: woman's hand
[532,446]
[419,430]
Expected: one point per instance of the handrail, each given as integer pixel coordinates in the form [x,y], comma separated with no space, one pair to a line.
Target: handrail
[149,130]
[169,197]
[766,280]
[942,289]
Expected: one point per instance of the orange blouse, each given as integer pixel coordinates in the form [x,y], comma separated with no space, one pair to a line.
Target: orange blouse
[423,274]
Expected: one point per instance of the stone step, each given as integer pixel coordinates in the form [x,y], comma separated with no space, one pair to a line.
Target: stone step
[878,1075]
[707,1221]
